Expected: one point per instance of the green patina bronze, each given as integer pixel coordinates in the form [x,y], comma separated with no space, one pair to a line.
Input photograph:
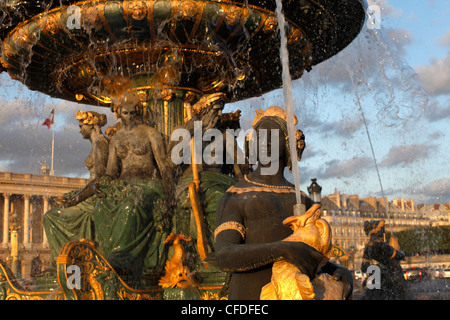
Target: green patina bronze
[168,54]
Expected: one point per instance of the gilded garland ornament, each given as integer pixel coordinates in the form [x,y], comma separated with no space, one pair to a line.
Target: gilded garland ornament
[266,185]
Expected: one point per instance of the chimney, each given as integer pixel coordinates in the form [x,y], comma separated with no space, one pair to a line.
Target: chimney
[336,199]
[384,201]
[410,205]
[372,201]
[354,199]
[400,203]
[344,201]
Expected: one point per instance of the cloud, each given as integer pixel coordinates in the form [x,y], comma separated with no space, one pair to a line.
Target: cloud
[444,41]
[436,135]
[336,169]
[435,191]
[344,127]
[435,77]
[407,154]
[400,38]
[435,112]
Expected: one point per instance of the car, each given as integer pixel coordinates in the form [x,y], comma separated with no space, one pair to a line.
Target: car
[435,273]
[445,273]
[425,273]
[413,273]
[358,274]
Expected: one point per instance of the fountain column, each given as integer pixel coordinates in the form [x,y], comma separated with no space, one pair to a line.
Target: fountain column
[6,219]
[168,112]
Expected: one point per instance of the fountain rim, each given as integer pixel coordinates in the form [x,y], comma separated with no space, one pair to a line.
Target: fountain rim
[362,4]
[358,18]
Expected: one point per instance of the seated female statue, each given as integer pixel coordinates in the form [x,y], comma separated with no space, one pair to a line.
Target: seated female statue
[130,205]
[135,197]
[75,221]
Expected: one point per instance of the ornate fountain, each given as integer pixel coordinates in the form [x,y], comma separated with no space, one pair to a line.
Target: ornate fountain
[168,54]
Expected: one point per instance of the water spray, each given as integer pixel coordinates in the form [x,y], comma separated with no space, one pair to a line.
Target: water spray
[299,208]
[358,101]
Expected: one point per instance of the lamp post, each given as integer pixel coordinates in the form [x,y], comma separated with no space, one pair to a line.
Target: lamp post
[15,259]
[315,191]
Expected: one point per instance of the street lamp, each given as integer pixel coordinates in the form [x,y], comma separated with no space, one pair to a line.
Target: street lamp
[315,191]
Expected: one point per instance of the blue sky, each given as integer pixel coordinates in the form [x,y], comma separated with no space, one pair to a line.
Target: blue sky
[399,76]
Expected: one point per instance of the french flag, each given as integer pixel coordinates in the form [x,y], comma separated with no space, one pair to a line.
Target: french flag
[50,119]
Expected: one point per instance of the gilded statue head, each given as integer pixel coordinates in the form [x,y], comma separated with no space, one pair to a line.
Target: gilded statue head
[275,118]
[90,120]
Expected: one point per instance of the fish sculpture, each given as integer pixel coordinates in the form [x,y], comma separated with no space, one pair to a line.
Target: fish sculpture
[288,282]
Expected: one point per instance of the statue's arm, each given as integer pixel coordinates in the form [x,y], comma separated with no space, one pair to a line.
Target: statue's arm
[100,158]
[233,254]
[392,253]
[163,161]
[85,193]
[159,152]
[113,164]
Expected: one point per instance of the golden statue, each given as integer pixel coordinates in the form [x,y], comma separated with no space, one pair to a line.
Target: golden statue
[288,282]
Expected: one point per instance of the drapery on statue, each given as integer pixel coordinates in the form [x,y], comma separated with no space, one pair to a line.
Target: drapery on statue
[130,206]
[250,232]
[388,257]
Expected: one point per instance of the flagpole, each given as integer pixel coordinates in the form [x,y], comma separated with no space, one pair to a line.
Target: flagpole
[49,121]
[52,172]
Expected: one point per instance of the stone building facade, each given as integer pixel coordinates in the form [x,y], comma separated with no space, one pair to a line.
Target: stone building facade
[29,196]
[347,214]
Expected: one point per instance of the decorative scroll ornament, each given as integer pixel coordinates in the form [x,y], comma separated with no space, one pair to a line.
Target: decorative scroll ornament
[338,255]
[10,290]
[99,281]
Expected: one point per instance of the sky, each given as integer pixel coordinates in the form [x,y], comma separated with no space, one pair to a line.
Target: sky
[388,91]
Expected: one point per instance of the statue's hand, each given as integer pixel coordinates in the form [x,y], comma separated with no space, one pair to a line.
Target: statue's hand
[89,190]
[64,202]
[304,257]
[345,276]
